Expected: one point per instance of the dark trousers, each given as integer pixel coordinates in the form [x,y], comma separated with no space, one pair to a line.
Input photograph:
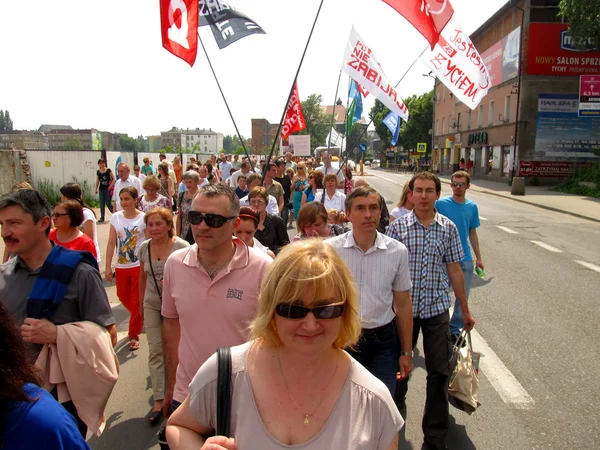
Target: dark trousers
[376,351]
[437,347]
[70,407]
[285,213]
[105,201]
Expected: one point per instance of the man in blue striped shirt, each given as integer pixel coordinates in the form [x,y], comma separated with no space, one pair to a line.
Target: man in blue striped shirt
[435,252]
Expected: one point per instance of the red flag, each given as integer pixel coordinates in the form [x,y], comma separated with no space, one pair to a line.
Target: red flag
[179,24]
[429,17]
[294,119]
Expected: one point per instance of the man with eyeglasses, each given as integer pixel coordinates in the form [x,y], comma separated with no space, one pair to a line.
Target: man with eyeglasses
[435,253]
[379,265]
[465,215]
[210,290]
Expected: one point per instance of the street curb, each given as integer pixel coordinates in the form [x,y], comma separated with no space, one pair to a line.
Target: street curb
[549,208]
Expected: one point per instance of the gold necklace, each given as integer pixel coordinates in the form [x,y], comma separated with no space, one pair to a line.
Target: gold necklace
[306,416]
[212,273]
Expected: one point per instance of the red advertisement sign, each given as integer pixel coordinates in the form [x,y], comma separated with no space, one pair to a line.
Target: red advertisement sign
[560,169]
[589,95]
[502,58]
[551,52]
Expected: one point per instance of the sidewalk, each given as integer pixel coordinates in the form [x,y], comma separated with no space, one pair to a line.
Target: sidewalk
[540,196]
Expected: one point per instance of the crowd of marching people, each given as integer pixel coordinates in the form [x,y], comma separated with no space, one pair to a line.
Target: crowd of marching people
[321,329]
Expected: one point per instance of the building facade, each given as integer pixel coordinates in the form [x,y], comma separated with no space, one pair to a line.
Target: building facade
[529,116]
[23,140]
[202,141]
[263,134]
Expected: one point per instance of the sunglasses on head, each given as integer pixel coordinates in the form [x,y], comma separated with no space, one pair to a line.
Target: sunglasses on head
[461,184]
[212,220]
[320,312]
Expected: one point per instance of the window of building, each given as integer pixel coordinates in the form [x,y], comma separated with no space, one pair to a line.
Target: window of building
[507,108]
[458,122]
[437,129]
[444,93]
[469,119]
[480,116]
[491,113]
[444,125]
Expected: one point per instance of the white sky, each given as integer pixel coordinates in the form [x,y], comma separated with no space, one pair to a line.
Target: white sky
[102,65]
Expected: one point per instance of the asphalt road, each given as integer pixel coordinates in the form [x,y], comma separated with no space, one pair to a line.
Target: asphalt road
[537,328]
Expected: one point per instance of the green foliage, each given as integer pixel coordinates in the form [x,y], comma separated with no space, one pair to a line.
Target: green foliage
[317,122]
[128,144]
[6,123]
[72,143]
[583,17]
[51,191]
[417,128]
[587,174]
[143,144]
[231,143]
[352,140]
[238,151]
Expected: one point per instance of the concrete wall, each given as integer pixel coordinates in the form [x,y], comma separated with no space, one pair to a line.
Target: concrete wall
[13,168]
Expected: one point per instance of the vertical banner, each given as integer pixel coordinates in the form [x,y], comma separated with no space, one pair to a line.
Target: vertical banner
[179,28]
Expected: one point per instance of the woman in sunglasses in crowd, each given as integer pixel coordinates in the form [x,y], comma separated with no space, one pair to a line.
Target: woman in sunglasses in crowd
[246,229]
[153,254]
[271,232]
[315,181]
[312,222]
[293,384]
[67,216]
[127,232]
[404,205]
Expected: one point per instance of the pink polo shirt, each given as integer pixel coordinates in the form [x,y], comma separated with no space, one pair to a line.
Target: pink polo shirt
[211,313]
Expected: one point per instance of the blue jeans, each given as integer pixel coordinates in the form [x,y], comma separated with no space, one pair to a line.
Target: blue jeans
[456,323]
[376,351]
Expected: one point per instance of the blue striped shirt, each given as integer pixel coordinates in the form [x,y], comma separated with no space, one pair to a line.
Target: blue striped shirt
[430,250]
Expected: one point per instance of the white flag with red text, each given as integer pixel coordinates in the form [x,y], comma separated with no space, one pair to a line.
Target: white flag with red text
[361,65]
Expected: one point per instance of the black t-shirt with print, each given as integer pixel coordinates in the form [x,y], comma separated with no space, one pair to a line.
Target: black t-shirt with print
[104,179]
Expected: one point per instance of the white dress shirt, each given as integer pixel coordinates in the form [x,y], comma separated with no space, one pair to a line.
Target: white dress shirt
[120,184]
[378,272]
[336,202]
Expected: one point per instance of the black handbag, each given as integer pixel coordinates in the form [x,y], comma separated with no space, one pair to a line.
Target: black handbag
[224,391]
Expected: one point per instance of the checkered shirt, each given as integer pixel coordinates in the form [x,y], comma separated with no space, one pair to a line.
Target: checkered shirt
[430,250]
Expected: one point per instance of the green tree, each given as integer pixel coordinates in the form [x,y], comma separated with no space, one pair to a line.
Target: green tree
[317,122]
[128,144]
[2,120]
[72,143]
[142,144]
[583,17]
[352,141]
[228,143]
[8,123]
[417,128]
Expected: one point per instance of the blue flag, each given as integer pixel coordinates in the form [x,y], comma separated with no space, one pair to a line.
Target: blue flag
[393,122]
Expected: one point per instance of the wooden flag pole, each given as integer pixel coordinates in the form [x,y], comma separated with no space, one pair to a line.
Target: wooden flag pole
[291,90]
[227,105]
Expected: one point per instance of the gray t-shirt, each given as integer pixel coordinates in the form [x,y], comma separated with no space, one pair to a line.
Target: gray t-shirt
[364,417]
[85,298]
[151,297]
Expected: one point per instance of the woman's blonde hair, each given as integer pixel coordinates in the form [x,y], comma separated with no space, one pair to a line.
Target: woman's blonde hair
[404,195]
[307,265]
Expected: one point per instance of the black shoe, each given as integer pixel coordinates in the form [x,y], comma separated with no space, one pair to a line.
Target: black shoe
[427,446]
[454,339]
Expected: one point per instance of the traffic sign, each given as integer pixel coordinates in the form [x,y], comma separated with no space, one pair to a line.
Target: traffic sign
[421,147]
[362,147]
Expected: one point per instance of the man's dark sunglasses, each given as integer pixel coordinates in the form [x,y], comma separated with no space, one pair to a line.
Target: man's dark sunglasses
[212,220]
[461,184]
[300,312]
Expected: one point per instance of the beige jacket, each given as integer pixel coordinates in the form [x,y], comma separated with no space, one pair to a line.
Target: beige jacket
[84,368]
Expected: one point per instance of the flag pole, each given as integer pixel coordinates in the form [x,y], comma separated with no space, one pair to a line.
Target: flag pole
[292,89]
[226,104]
[399,81]
[333,112]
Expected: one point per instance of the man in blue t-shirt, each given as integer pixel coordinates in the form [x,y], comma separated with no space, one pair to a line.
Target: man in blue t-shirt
[465,215]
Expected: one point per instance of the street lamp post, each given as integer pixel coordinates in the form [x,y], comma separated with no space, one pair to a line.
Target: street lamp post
[432,120]
[517,189]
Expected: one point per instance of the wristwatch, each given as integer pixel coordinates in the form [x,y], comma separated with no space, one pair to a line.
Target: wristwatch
[407,354]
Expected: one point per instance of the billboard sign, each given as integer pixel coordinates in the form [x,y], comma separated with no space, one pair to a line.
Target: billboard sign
[299,144]
[502,58]
[555,169]
[589,95]
[560,134]
[551,52]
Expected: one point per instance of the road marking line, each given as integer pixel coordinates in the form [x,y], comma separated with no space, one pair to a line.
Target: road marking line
[483,218]
[503,381]
[391,181]
[508,230]
[589,265]
[547,247]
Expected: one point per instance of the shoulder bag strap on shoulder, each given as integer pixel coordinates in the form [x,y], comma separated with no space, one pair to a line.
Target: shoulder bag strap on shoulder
[224,392]
[152,270]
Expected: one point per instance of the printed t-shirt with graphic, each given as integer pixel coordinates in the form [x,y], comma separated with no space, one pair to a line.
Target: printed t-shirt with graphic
[130,234]
[464,215]
[219,314]
[104,179]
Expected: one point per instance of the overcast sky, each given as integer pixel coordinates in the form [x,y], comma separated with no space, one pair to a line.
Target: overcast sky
[102,65]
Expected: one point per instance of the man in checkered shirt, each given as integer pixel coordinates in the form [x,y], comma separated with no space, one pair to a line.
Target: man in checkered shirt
[435,252]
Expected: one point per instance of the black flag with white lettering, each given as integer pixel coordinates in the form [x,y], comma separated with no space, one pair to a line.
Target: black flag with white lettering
[227,24]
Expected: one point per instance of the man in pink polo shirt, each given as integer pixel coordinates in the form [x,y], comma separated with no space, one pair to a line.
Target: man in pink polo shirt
[210,290]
